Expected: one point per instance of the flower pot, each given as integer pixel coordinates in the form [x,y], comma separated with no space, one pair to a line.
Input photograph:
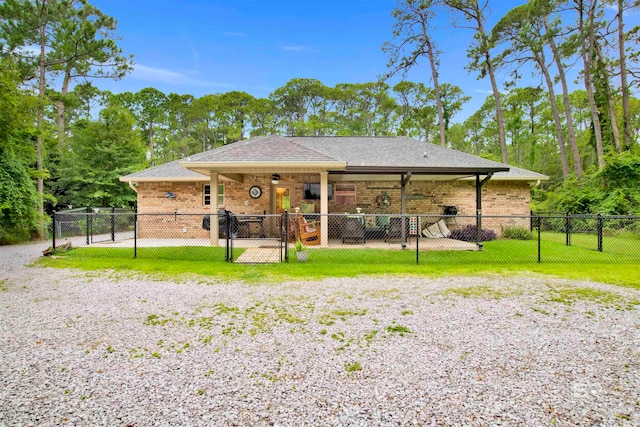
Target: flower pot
[302,256]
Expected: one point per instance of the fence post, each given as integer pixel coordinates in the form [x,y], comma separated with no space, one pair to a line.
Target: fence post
[539,223]
[285,216]
[53,243]
[479,229]
[531,220]
[227,232]
[567,229]
[135,232]
[418,240]
[113,223]
[88,223]
[600,227]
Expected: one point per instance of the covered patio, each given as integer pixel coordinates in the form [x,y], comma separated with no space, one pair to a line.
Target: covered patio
[322,176]
[394,161]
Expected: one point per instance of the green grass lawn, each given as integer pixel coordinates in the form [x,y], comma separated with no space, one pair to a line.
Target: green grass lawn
[501,257]
[627,245]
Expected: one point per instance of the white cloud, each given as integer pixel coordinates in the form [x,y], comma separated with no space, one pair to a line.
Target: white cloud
[143,72]
[295,48]
[484,91]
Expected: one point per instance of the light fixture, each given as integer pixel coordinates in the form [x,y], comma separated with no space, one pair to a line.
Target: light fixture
[275,179]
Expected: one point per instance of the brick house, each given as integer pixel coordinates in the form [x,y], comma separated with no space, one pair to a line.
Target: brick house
[379,175]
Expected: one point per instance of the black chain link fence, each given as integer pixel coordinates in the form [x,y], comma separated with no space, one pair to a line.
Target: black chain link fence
[355,238]
[94,224]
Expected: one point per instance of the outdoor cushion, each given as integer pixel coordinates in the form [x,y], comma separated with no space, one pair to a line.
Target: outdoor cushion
[437,230]
[382,221]
[443,228]
[370,221]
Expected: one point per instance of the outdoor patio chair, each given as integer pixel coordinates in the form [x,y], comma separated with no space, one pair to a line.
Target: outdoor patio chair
[395,229]
[308,231]
[353,230]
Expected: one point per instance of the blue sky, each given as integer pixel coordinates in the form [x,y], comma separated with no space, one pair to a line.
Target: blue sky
[200,47]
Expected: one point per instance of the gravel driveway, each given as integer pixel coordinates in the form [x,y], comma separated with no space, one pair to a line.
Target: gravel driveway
[118,349]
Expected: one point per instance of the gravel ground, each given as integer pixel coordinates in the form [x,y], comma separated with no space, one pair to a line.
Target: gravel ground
[112,349]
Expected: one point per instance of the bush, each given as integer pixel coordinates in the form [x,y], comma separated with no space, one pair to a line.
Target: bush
[470,233]
[517,233]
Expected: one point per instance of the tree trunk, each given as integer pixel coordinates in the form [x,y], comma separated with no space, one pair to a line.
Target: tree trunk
[42,84]
[540,59]
[436,88]
[626,117]
[499,116]
[613,119]
[611,108]
[568,115]
[60,107]
[496,91]
[587,55]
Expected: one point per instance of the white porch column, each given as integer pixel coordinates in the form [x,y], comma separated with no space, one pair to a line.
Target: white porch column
[324,209]
[213,209]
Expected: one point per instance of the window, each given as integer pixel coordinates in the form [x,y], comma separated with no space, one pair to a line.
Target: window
[312,191]
[345,194]
[207,195]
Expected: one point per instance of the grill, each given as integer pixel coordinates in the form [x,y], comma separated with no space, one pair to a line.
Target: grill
[451,210]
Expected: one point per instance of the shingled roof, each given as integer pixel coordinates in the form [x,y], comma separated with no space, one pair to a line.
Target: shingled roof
[337,154]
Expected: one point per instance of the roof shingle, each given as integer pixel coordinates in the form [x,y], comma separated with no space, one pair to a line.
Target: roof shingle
[359,153]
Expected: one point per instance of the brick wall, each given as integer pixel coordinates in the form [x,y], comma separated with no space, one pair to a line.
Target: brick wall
[423,197]
[430,197]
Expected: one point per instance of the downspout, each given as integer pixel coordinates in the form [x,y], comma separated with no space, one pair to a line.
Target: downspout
[132,185]
[479,185]
[404,179]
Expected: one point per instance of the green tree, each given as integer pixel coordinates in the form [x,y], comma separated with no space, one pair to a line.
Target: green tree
[296,101]
[83,46]
[73,39]
[416,111]
[412,41]
[150,108]
[233,109]
[24,24]
[522,28]
[19,218]
[262,116]
[181,126]
[552,30]
[99,153]
[588,23]
[473,12]
[452,100]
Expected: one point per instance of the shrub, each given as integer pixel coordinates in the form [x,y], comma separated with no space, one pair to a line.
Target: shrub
[517,233]
[470,233]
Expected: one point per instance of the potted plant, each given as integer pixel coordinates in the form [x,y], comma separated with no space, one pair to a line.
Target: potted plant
[301,251]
